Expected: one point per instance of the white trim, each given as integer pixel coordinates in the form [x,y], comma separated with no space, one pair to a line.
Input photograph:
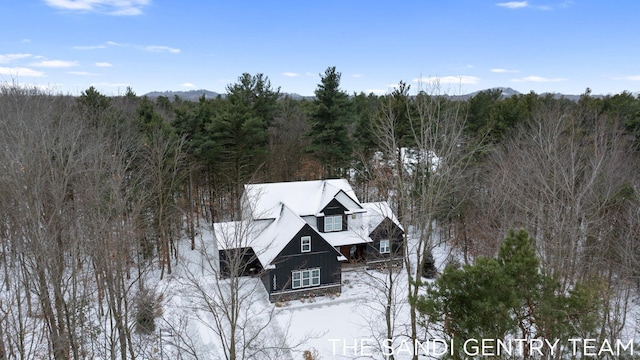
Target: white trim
[303,240]
[310,276]
[387,248]
[333,223]
[357,211]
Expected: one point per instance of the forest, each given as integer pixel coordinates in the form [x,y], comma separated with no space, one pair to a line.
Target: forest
[537,196]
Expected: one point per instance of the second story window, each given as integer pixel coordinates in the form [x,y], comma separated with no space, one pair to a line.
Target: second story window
[305,244]
[384,247]
[333,223]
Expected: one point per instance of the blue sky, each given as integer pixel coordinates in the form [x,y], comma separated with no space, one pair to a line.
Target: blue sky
[462,45]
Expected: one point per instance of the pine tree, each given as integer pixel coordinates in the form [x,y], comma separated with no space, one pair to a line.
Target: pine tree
[330,121]
[509,296]
[238,132]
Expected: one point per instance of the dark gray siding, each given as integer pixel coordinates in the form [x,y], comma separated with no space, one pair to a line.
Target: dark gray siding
[333,208]
[387,230]
[239,262]
[322,256]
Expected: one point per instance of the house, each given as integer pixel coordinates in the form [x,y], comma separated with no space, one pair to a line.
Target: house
[298,236]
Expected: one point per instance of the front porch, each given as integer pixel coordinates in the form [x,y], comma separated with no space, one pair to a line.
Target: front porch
[354,253]
[363,256]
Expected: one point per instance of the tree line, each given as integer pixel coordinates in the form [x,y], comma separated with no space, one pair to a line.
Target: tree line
[97,191]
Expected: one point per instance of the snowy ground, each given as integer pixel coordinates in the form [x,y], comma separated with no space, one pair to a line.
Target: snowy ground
[337,327]
[345,326]
[340,328]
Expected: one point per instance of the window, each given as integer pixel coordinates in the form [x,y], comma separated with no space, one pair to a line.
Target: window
[333,223]
[305,244]
[384,247]
[305,278]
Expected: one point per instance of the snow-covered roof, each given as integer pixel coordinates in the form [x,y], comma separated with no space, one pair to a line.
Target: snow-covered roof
[276,212]
[340,238]
[238,234]
[277,235]
[302,197]
[376,213]
[266,237]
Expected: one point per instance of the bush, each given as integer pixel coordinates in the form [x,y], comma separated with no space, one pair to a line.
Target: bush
[429,270]
[311,355]
[147,309]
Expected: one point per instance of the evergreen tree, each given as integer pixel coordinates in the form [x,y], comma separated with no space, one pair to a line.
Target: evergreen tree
[509,296]
[330,121]
[402,109]
[94,105]
[238,133]
[93,100]
[472,302]
[479,109]
[364,141]
[365,107]
[625,108]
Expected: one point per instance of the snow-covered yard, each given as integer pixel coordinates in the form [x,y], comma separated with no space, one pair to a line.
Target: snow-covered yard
[345,326]
[350,325]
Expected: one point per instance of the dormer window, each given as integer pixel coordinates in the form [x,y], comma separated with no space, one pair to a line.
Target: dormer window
[305,244]
[333,223]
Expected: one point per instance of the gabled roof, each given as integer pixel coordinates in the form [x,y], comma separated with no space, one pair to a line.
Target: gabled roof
[270,242]
[267,238]
[375,215]
[276,212]
[302,197]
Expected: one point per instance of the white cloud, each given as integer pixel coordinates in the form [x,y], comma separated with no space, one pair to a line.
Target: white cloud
[513,4]
[11,57]
[502,71]
[82,73]
[462,80]
[129,11]
[290,74]
[103,64]
[375,91]
[55,64]
[152,48]
[70,4]
[357,75]
[110,7]
[20,71]
[629,78]
[159,48]
[188,85]
[538,79]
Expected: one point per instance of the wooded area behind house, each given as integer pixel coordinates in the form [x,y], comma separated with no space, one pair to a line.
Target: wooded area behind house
[96,192]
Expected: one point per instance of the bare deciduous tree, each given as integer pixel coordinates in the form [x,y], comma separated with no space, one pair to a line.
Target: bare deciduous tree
[232,304]
[569,178]
[428,170]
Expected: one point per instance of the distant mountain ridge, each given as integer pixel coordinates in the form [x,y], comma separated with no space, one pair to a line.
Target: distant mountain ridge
[194,95]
